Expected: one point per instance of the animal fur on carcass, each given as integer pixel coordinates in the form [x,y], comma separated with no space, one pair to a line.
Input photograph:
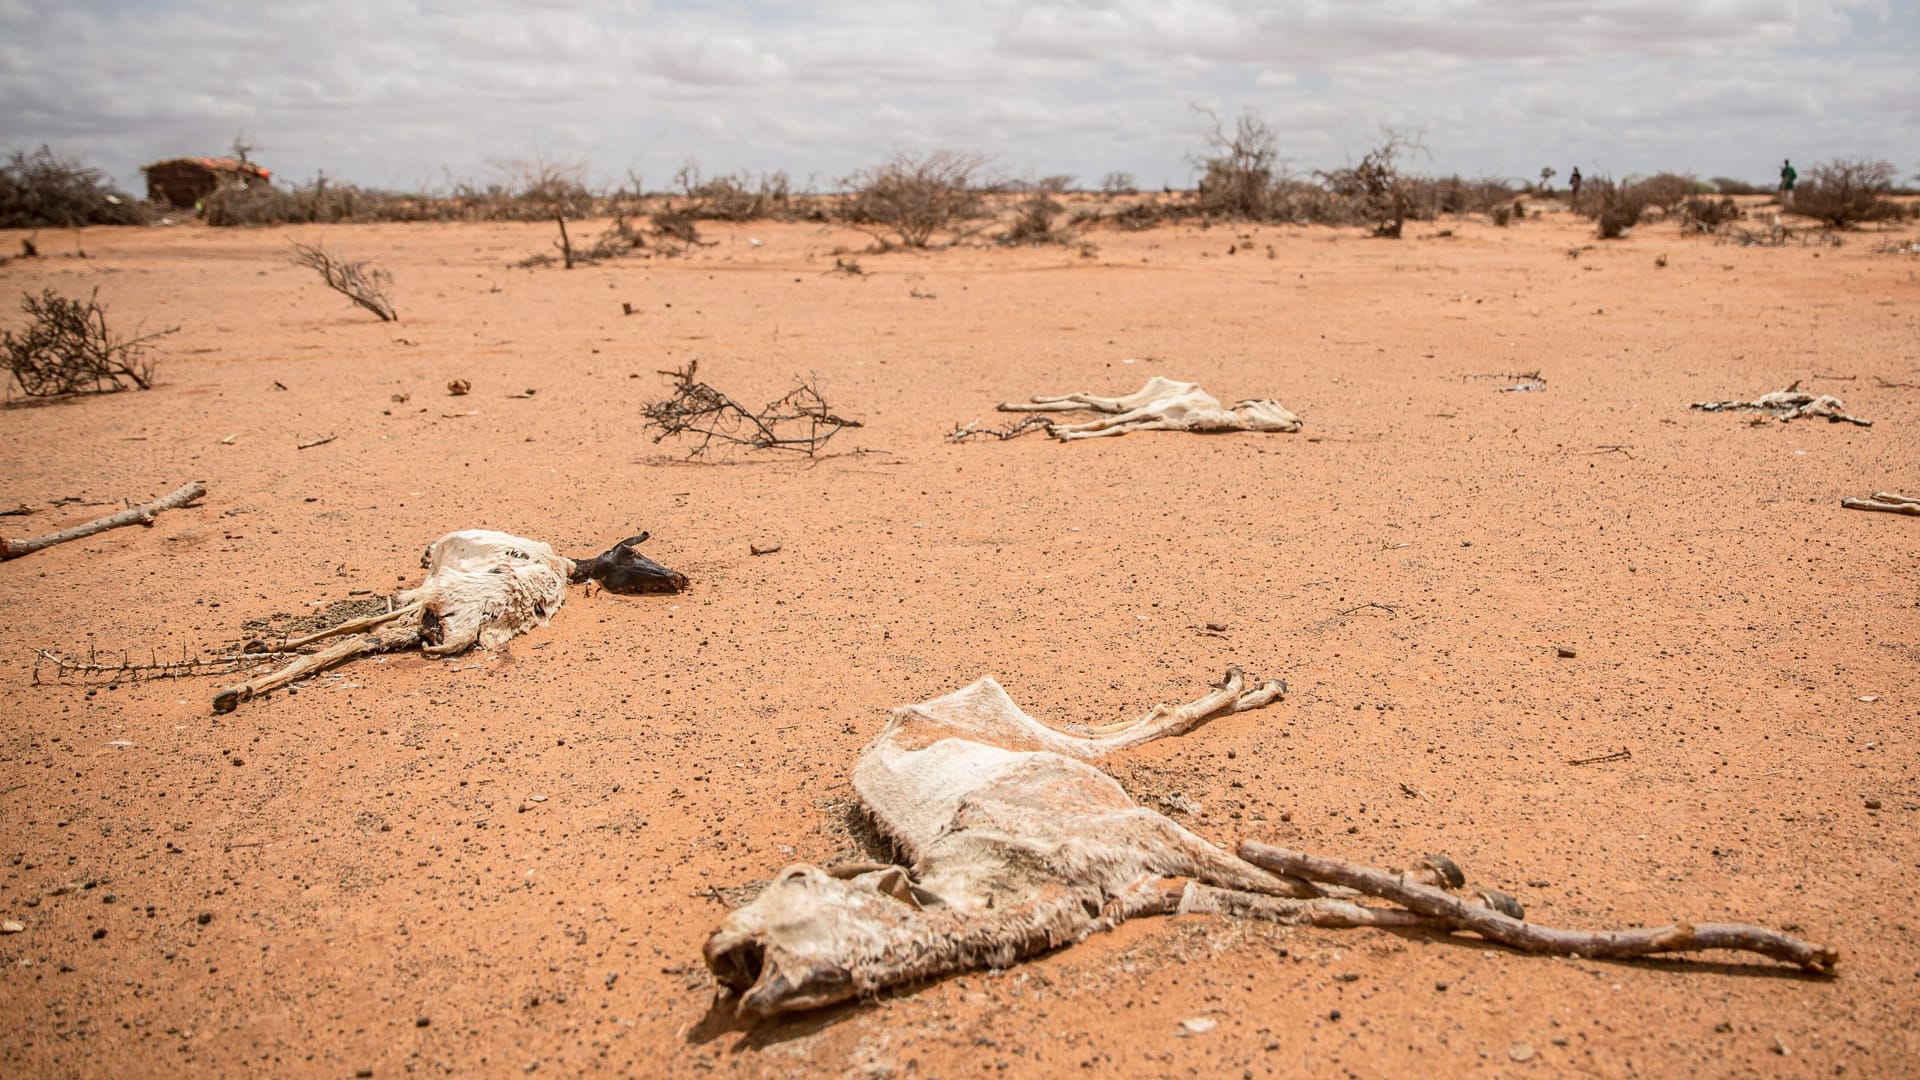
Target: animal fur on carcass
[483,588]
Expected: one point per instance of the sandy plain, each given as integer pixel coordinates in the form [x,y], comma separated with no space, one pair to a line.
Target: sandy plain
[507,863]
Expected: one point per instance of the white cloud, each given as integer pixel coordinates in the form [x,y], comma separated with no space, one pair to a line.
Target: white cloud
[404,93]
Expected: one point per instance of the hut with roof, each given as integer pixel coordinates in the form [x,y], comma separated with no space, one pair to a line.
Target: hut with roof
[183,182]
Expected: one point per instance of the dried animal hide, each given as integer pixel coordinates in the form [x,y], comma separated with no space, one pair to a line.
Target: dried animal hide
[1788,404]
[482,588]
[1160,405]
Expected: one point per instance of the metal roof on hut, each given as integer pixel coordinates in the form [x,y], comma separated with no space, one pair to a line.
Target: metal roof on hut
[183,182]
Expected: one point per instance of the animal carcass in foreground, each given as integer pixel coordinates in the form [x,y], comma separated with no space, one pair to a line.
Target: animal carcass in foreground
[1161,405]
[483,588]
[1014,844]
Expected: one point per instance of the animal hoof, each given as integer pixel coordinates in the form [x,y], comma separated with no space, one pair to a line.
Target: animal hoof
[1447,869]
[1504,904]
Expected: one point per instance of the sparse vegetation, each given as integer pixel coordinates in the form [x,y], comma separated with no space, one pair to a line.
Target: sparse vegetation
[1702,213]
[1033,221]
[1237,177]
[1845,192]
[1727,185]
[1118,183]
[360,282]
[1615,206]
[42,190]
[66,348]
[1383,197]
[914,196]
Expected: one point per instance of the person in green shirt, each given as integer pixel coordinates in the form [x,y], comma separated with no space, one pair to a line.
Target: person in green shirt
[1787,177]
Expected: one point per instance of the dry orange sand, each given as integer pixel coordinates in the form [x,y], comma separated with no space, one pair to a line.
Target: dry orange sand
[507,862]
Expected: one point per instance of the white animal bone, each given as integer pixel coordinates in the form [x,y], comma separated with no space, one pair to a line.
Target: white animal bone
[1161,405]
[1018,846]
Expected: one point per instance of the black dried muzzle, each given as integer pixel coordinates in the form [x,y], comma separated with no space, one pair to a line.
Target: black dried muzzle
[623,570]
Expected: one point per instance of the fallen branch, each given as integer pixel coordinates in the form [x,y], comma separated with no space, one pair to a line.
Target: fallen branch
[321,441]
[798,420]
[1617,755]
[1461,913]
[1886,501]
[136,515]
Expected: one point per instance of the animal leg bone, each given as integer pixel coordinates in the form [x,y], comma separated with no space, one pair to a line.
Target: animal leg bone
[1172,720]
[351,626]
[1888,501]
[404,636]
[1497,926]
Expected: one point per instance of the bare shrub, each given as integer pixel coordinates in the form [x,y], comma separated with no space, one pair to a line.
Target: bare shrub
[1033,221]
[1727,185]
[256,204]
[44,190]
[1237,174]
[1614,206]
[360,282]
[1845,192]
[1707,215]
[799,420]
[1384,197]
[736,197]
[1118,183]
[1453,195]
[1668,190]
[66,348]
[916,196]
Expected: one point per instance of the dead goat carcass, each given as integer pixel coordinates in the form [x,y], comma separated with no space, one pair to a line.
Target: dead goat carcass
[1017,845]
[1161,405]
[1789,404]
[483,588]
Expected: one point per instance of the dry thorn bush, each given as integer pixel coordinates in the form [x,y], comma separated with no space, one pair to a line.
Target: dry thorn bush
[44,190]
[799,420]
[66,348]
[913,197]
[360,282]
[1845,192]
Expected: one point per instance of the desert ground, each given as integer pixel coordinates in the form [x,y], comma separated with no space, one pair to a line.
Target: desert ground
[507,862]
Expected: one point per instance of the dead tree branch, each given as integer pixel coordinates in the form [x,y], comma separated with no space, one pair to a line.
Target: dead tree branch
[798,420]
[134,515]
[1463,914]
[359,282]
[66,348]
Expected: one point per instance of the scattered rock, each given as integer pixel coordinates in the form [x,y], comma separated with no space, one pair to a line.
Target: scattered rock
[1217,627]
[1873,804]
[763,547]
[459,387]
[1565,652]
[1520,1052]
[1198,1025]
[204,918]
[11,927]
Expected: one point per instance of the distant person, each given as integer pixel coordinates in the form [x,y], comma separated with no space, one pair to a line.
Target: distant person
[1787,177]
[1573,185]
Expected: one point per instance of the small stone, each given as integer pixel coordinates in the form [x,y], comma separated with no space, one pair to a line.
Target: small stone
[422,1021]
[1334,1015]
[1520,1052]
[11,927]
[204,918]
[99,932]
[1199,1025]
[1217,627]
[1873,804]
[1564,651]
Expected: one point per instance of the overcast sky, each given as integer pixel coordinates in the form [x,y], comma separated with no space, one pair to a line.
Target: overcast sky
[407,94]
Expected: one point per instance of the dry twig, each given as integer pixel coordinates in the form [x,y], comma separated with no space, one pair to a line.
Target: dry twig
[66,348]
[359,282]
[963,432]
[799,420]
[1886,501]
